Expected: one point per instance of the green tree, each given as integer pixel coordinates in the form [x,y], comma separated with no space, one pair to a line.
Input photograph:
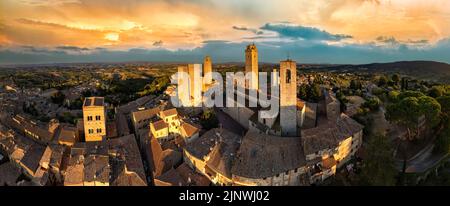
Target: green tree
[314,92]
[431,108]
[208,119]
[404,83]
[443,140]
[382,81]
[444,101]
[355,84]
[410,93]
[373,103]
[405,113]
[58,98]
[393,96]
[378,168]
[396,78]
[303,91]
[436,91]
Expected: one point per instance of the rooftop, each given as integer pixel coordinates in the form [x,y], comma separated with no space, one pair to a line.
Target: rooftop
[96,168]
[159,125]
[202,146]
[9,174]
[189,129]
[191,176]
[127,178]
[100,160]
[94,101]
[300,104]
[169,159]
[127,148]
[262,155]
[24,124]
[170,178]
[67,135]
[329,134]
[74,172]
[168,113]
[145,114]
[32,157]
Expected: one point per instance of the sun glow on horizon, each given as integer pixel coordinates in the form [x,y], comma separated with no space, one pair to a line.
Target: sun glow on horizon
[112,36]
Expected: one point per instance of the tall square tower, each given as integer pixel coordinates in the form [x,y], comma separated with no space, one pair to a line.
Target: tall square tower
[183,86]
[288,97]
[195,84]
[94,118]
[251,66]
[207,70]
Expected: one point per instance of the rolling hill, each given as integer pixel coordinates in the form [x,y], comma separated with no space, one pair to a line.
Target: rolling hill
[426,70]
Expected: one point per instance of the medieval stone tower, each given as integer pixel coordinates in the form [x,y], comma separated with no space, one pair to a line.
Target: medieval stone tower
[288,97]
[195,84]
[183,86]
[207,69]
[251,66]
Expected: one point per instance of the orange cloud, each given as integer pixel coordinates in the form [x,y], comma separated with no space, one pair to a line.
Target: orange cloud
[186,24]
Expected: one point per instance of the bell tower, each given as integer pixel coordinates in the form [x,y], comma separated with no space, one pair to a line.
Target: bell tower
[288,97]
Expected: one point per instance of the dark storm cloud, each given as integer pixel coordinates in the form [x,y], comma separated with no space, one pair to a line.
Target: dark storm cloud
[158,43]
[72,48]
[307,33]
[243,28]
[303,51]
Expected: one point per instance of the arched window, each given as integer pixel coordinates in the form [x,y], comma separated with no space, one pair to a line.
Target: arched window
[288,76]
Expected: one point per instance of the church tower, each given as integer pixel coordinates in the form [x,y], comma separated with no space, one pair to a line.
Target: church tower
[288,98]
[251,66]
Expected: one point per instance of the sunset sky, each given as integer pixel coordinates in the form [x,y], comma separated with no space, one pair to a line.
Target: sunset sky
[319,31]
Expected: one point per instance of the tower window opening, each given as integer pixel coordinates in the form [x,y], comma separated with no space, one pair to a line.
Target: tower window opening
[288,76]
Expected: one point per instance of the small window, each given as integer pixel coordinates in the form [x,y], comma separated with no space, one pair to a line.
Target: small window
[91,131]
[99,130]
[89,118]
[97,118]
[288,76]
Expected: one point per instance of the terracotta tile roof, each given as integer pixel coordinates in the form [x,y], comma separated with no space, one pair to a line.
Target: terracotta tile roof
[329,134]
[127,178]
[262,155]
[191,176]
[67,135]
[202,146]
[329,162]
[9,174]
[159,125]
[96,168]
[300,104]
[145,114]
[74,174]
[189,129]
[169,112]
[170,178]
[169,159]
